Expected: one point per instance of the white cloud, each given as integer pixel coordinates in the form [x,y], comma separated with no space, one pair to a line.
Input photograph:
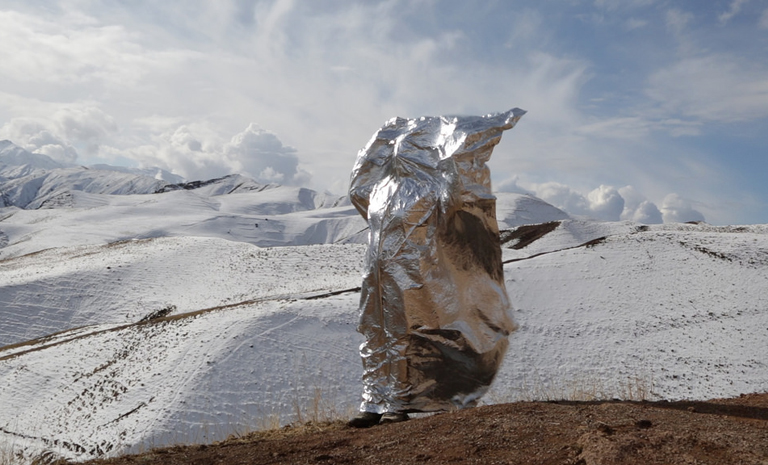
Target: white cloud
[647,213]
[764,20]
[63,133]
[617,4]
[196,151]
[174,81]
[676,209]
[39,135]
[712,88]
[526,29]
[262,155]
[84,124]
[606,203]
[71,51]
[636,127]
[733,10]
[635,23]
[639,209]
[323,77]
[563,197]
[620,128]
[193,151]
[511,185]
[678,20]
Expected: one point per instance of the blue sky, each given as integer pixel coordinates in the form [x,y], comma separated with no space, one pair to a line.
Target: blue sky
[646,110]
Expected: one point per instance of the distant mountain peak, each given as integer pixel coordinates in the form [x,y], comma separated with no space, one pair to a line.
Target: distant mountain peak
[16,162]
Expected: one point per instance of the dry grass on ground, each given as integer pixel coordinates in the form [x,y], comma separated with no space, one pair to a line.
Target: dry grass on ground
[731,431]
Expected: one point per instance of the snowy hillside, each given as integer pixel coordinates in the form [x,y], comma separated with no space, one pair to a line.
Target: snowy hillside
[136,320]
[32,180]
[16,162]
[56,206]
[272,217]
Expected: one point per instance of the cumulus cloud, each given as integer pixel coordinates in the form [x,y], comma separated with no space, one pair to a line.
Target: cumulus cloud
[60,134]
[639,209]
[84,124]
[676,209]
[604,203]
[562,197]
[511,185]
[39,136]
[259,153]
[190,151]
[197,151]
[647,213]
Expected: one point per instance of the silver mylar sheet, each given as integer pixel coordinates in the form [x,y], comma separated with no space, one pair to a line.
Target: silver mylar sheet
[434,308]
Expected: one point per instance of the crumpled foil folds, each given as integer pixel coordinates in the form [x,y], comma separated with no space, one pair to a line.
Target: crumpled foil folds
[434,310]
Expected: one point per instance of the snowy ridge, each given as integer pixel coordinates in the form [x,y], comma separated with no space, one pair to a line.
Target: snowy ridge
[513,210]
[54,188]
[277,216]
[32,180]
[16,162]
[49,208]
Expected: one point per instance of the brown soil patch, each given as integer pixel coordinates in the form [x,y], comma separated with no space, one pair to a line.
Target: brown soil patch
[527,234]
[732,431]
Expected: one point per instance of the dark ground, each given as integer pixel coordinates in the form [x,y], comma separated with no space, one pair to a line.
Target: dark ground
[722,432]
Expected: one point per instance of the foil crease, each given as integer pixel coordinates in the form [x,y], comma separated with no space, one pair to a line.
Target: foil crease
[434,310]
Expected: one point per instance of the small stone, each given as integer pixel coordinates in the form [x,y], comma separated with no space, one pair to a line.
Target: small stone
[604,428]
[643,424]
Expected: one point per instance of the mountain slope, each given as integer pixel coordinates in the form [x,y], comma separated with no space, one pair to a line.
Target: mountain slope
[32,180]
[16,162]
[49,205]
[672,312]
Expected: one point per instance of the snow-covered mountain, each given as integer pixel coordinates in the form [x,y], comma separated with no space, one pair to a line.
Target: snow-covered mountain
[16,162]
[31,180]
[49,207]
[143,319]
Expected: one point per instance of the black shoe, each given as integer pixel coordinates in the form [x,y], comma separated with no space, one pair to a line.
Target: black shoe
[364,420]
[391,417]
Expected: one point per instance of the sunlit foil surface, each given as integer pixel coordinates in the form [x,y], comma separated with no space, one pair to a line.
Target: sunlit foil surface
[434,308]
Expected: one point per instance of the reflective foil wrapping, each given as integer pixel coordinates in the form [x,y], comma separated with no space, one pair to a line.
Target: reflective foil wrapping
[434,308]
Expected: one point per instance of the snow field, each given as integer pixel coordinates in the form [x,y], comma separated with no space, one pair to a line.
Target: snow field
[659,312]
[278,216]
[678,315]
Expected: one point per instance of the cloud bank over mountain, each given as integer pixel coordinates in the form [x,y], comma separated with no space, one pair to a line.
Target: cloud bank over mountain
[606,203]
[668,99]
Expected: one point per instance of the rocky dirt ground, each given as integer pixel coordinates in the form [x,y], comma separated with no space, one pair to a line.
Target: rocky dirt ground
[722,432]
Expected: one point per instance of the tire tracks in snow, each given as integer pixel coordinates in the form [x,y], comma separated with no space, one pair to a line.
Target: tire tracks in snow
[164,319]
